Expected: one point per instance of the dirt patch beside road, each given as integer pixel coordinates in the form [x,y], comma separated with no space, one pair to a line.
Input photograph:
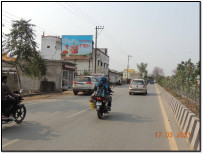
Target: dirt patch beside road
[188,103]
[44,96]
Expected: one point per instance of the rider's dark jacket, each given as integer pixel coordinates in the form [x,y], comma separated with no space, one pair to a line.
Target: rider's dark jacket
[5,92]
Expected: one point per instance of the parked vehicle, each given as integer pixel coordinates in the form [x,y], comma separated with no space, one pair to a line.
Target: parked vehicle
[137,86]
[20,112]
[100,104]
[84,84]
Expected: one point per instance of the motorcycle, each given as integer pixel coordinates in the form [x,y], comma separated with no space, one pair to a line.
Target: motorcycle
[20,112]
[101,105]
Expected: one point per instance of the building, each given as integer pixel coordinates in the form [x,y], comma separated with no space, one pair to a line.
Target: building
[84,64]
[91,64]
[59,71]
[115,76]
[100,61]
[51,47]
[131,74]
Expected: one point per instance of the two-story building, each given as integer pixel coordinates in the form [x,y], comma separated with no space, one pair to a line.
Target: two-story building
[95,63]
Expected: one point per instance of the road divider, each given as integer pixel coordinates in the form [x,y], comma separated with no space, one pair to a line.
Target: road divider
[187,121]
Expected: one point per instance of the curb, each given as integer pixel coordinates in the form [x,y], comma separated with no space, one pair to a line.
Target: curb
[39,94]
[187,121]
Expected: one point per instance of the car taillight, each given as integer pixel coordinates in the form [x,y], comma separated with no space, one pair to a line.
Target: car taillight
[144,86]
[74,82]
[89,83]
[98,98]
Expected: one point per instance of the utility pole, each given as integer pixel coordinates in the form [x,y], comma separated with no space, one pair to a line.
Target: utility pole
[96,36]
[128,67]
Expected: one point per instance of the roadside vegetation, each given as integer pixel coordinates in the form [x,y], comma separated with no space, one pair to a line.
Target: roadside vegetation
[20,43]
[184,84]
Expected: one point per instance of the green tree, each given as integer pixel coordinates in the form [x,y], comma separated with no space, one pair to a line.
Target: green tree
[185,75]
[21,44]
[142,67]
[36,68]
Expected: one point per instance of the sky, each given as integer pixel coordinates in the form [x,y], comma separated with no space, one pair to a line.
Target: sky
[161,34]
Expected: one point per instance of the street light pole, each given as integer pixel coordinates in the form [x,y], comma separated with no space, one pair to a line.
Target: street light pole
[128,67]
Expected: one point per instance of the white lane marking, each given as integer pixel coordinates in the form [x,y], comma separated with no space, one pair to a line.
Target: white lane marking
[9,143]
[78,113]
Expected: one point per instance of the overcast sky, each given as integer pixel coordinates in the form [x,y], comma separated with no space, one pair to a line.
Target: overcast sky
[157,33]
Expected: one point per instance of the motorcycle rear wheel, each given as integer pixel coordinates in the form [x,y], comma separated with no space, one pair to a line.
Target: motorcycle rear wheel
[20,114]
[99,113]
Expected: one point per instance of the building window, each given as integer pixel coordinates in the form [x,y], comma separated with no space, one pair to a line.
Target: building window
[48,46]
[101,63]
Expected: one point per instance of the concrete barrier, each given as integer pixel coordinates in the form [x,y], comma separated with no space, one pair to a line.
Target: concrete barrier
[187,121]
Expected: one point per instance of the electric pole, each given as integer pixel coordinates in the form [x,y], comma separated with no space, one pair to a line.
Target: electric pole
[128,67]
[96,36]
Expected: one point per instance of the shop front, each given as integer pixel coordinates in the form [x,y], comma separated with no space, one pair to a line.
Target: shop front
[68,73]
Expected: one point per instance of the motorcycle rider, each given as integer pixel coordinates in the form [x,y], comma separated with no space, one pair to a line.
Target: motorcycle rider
[107,90]
[8,101]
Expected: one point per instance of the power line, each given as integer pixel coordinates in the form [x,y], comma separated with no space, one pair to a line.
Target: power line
[74,13]
[42,29]
[85,13]
[10,14]
[81,12]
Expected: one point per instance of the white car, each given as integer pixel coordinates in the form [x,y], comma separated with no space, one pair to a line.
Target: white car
[137,86]
[84,84]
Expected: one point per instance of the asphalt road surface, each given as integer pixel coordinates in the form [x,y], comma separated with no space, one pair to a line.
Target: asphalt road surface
[66,123]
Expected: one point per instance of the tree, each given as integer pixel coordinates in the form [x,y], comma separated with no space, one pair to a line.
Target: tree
[142,68]
[3,38]
[21,44]
[157,72]
[185,75]
[35,68]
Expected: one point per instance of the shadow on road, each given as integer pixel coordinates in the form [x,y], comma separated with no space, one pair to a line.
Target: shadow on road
[148,94]
[28,131]
[116,116]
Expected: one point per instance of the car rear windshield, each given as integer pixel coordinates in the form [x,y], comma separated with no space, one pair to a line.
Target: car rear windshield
[82,79]
[137,82]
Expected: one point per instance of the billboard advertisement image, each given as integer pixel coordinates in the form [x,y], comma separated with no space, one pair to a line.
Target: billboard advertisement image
[76,46]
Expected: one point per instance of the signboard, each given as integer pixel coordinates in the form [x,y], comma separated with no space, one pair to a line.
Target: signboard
[130,70]
[77,46]
[67,67]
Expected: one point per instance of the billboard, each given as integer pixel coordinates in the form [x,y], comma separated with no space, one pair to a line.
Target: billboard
[77,46]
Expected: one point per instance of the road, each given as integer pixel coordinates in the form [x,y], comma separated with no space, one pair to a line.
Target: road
[67,123]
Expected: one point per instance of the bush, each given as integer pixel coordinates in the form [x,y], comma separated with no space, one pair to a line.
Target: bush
[47,86]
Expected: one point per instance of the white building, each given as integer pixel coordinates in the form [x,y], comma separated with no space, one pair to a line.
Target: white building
[102,61]
[115,76]
[51,47]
